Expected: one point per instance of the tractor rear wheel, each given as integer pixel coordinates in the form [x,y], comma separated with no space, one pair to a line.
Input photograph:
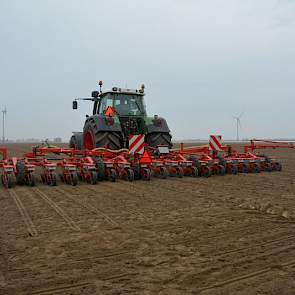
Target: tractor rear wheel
[155,139]
[93,138]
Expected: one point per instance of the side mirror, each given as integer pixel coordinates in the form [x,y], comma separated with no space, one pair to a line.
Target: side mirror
[95,94]
[75,105]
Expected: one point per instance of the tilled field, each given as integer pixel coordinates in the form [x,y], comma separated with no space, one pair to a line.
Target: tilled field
[221,235]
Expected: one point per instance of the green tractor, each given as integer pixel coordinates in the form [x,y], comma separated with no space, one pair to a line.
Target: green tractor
[117,114]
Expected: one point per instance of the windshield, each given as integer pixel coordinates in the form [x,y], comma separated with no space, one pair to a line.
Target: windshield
[124,104]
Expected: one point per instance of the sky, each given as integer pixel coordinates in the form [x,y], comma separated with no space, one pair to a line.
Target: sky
[202,62]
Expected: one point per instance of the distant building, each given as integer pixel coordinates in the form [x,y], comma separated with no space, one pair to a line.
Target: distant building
[57,140]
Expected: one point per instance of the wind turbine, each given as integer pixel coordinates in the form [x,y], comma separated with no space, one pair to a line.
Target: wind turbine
[4,112]
[238,122]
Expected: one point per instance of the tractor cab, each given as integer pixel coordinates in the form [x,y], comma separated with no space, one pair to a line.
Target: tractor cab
[127,106]
[122,103]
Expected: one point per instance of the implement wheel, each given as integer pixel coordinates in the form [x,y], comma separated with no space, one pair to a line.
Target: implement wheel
[268,167]
[111,174]
[100,168]
[93,178]
[195,172]
[130,175]
[206,171]
[7,180]
[220,170]
[53,181]
[163,172]
[20,173]
[277,166]
[179,172]
[245,168]
[233,169]
[256,168]
[146,174]
[30,179]
[74,179]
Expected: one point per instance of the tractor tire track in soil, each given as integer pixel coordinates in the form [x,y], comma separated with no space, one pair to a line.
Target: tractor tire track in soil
[57,209]
[23,212]
[244,277]
[87,205]
[83,287]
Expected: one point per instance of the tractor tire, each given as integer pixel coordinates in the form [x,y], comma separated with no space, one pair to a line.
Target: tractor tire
[155,139]
[76,141]
[93,138]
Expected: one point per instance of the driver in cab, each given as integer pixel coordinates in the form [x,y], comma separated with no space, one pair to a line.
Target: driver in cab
[123,107]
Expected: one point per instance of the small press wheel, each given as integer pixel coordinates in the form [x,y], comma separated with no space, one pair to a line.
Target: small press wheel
[195,172]
[146,174]
[93,179]
[130,175]
[206,171]
[74,179]
[163,172]
[53,180]
[179,172]
[30,179]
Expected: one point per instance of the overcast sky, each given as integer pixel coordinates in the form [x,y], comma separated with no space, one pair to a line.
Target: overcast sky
[202,62]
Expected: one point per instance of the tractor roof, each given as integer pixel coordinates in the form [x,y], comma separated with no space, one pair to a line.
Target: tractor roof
[117,90]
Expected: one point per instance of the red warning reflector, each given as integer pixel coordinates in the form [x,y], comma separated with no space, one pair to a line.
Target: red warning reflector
[109,112]
[145,159]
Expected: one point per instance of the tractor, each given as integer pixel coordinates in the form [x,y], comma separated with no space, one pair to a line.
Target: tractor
[117,114]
